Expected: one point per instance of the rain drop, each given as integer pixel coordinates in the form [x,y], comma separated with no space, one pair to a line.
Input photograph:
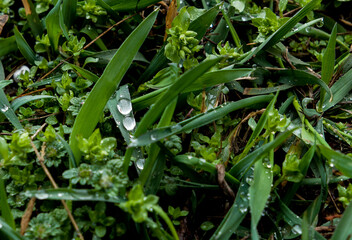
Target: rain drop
[19,72]
[153,137]
[129,123]
[4,108]
[60,195]
[140,163]
[42,195]
[124,106]
[0,225]
[297,229]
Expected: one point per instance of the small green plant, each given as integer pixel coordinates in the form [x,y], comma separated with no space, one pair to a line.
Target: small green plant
[176,213]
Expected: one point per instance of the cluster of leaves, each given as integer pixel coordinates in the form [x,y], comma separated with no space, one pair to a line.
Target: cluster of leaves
[229,107]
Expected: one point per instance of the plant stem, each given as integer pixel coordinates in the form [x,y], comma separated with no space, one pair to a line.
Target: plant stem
[164,216]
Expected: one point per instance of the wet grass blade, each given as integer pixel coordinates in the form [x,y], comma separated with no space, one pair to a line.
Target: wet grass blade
[344,230]
[7,233]
[84,73]
[259,192]
[339,90]
[72,195]
[198,120]
[53,26]
[32,18]
[179,86]
[235,215]
[127,5]
[24,48]
[18,102]
[69,8]
[282,31]
[107,83]
[69,151]
[7,110]
[341,161]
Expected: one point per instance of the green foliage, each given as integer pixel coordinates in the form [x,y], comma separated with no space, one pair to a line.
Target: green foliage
[90,10]
[345,194]
[176,213]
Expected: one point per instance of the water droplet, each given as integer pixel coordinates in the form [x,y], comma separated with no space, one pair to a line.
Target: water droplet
[320,23]
[60,195]
[124,106]
[153,137]
[0,225]
[41,195]
[296,229]
[140,163]
[249,180]
[129,123]
[307,30]
[4,108]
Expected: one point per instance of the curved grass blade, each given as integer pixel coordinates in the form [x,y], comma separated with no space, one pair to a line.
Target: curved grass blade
[242,166]
[107,84]
[24,48]
[340,89]
[92,34]
[341,161]
[7,45]
[18,102]
[260,91]
[235,215]
[7,233]
[180,85]
[53,26]
[127,5]
[282,31]
[301,78]
[72,195]
[62,25]
[197,121]
[5,208]
[84,73]
[344,230]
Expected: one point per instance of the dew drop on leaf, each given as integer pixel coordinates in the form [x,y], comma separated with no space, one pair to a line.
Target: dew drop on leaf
[124,106]
[129,123]
[4,108]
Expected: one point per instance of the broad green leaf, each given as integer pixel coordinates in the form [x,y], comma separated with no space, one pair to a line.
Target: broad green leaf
[18,102]
[84,73]
[259,192]
[344,230]
[69,12]
[341,161]
[72,195]
[107,84]
[339,90]
[7,45]
[282,31]
[24,48]
[5,208]
[198,120]
[180,85]
[53,26]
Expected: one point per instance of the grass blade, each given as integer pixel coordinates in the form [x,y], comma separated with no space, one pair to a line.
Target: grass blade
[33,19]
[5,208]
[282,31]
[197,121]
[126,5]
[18,102]
[24,48]
[69,8]
[7,233]
[344,230]
[181,83]
[53,26]
[107,83]
[7,110]
[341,161]
[7,45]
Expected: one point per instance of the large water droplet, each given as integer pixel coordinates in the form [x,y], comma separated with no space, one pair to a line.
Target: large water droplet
[129,123]
[19,72]
[124,106]
[153,137]
[4,108]
[42,195]
[297,229]
[140,163]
